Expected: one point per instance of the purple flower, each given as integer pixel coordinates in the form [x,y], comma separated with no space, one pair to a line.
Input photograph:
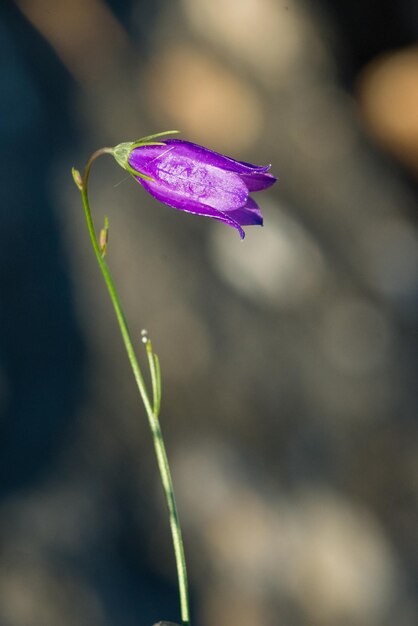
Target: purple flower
[194,179]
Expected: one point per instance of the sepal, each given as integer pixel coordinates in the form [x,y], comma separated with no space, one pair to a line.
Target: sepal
[122,151]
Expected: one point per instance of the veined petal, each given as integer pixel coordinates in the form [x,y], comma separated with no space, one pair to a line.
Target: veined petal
[189,205]
[182,177]
[189,150]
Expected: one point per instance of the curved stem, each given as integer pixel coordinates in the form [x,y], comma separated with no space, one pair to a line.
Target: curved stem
[152,414]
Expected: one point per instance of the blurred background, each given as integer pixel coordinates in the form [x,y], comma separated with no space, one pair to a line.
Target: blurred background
[289,360]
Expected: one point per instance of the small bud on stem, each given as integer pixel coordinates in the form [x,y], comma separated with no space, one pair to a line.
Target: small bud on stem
[104,237]
[77,178]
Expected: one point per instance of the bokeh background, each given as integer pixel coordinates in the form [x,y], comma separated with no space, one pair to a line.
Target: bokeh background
[289,360]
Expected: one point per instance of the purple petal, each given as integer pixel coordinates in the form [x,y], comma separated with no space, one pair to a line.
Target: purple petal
[181,177]
[248,215]
[258,181]
[255,168]
[189,205]
[188,150]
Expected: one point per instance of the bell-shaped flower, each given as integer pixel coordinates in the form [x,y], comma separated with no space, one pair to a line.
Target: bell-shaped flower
[192,178]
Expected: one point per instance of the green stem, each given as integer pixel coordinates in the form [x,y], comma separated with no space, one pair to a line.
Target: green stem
[152,414]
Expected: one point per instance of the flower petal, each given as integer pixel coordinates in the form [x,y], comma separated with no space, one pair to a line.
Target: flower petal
[189,150]
[255,168]
[181,176]
[258,181]
[248,215]
[189,205]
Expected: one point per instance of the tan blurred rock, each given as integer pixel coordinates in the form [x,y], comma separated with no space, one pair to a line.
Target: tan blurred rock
[190,89]
[267,36]
[322,552]
[388,94]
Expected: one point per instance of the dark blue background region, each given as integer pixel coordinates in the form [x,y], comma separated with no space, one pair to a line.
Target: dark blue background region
[41,349]
[366,29]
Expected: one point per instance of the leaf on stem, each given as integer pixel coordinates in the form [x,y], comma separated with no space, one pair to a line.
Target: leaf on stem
[155,371]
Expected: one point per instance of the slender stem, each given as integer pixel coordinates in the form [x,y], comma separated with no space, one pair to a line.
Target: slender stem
[152,411]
